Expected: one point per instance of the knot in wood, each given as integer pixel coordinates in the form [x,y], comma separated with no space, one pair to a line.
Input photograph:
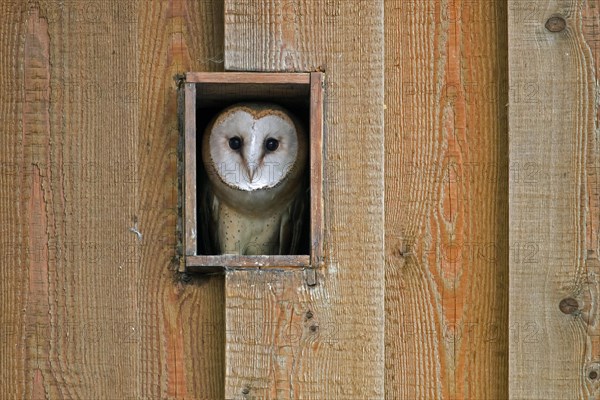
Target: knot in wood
[556,24]
[568,305]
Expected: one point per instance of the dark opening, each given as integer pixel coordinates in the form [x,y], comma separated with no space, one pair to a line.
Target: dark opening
[212,98]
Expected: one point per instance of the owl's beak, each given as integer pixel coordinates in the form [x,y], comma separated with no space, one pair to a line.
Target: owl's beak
[252,169]
[252,160]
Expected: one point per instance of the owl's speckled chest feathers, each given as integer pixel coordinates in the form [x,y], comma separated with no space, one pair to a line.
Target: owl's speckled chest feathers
[247,234]
[257,222]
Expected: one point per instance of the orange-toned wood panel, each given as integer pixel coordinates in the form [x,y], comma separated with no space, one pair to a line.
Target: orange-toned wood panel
[446,207]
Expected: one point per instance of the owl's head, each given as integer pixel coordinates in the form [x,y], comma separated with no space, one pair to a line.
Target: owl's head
[253,146]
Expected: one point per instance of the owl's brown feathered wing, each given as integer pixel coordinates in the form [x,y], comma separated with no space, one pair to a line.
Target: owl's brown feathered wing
[292,225]
[208,219]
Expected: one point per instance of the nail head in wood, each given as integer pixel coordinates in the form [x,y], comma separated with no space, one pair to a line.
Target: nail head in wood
[309,314]
[556,24]
[568,305]
[593,375]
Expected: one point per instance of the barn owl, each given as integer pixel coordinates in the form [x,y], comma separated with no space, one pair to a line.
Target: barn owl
[255,156]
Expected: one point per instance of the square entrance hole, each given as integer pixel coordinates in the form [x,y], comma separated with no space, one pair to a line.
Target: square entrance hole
[206,95]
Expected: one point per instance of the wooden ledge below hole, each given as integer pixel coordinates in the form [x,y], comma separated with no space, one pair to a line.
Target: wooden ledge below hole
[216,263]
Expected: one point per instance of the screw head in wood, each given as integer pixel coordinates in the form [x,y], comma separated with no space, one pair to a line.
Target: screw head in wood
[568,305]
[556,24]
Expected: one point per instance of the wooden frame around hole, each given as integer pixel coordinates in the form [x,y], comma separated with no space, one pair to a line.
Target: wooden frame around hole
[284,84]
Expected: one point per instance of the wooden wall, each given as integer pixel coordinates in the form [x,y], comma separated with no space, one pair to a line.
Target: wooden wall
[88,150]
[554,202]
[325,341]
[461,203]
[446,200]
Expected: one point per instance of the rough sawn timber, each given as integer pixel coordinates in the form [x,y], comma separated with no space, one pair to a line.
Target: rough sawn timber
[554,200]
[285,339]
[446,206]
[91,307]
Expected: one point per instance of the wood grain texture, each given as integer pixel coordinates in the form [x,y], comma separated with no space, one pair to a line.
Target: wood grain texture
[317,84]
[554,201]
[183,336]
[91,307]
[446,200]
[13,247]
[285,339]
[233,261]
[244,77]
[190,167]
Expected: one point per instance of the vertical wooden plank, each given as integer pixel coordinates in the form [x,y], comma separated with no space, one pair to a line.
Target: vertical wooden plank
[316,168]
[183,327]
[91,307]
[190,151]
[446,200]
[285,339]
[77,190]
[554,267]
[13,214]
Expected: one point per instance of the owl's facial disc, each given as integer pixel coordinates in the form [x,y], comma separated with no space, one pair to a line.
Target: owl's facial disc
[253,153]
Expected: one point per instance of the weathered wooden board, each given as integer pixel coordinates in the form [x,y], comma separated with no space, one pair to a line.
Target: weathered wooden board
[446,200]
[554,199]
[14,279]
[285,339]
[91,307]
[240,77]
[195,263]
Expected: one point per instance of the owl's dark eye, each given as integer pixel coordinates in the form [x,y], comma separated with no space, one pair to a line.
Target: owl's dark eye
[272,144]
[235,143]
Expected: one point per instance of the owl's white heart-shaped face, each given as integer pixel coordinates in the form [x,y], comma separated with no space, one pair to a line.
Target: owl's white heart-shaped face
[252,148]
